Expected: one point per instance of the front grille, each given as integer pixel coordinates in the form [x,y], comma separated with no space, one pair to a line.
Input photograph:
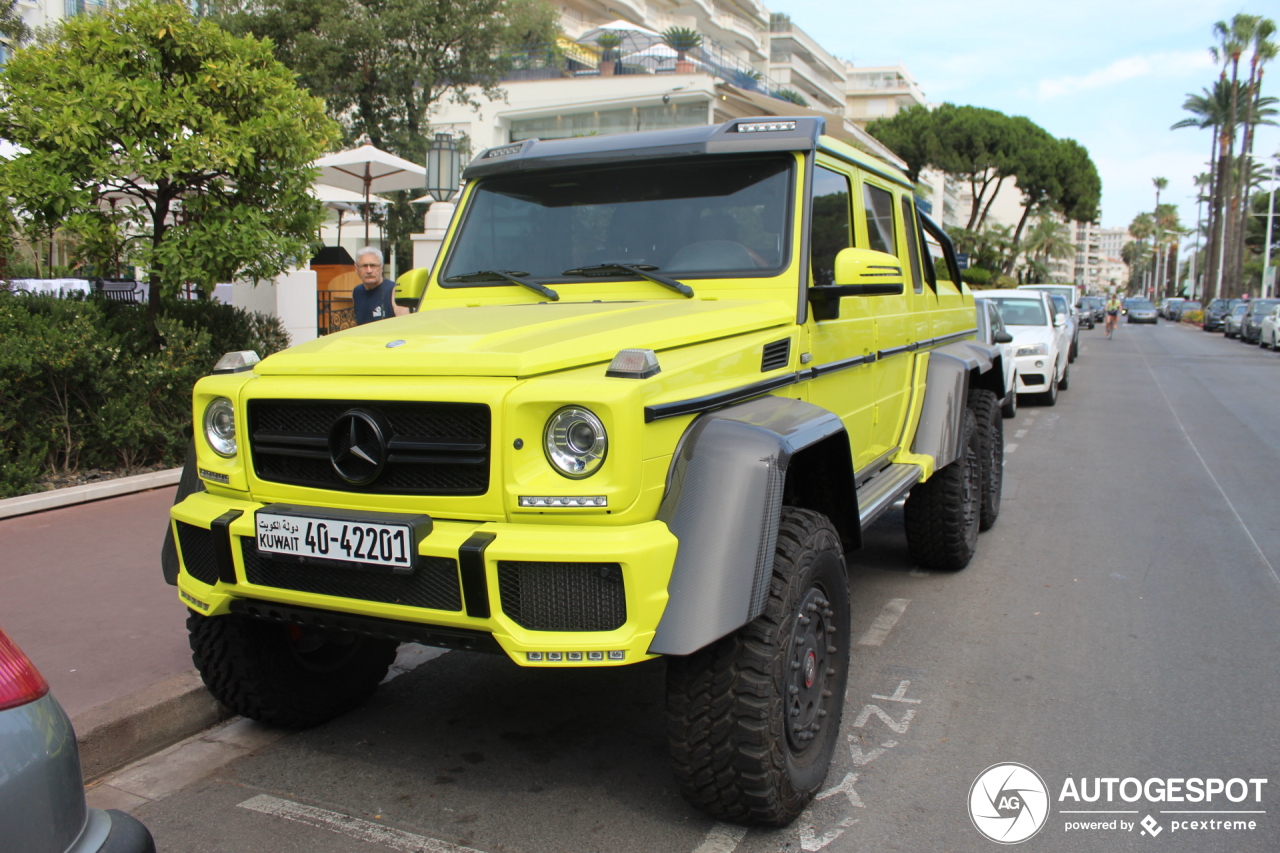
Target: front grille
[196,544]
[563,596]
[434,584]
[776,355]
[433,448]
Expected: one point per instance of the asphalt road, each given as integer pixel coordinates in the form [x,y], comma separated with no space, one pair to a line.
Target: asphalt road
[1120,621]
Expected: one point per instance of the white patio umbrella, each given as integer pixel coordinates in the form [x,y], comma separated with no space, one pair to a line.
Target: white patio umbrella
[634,38]
[342,202]
[370,170]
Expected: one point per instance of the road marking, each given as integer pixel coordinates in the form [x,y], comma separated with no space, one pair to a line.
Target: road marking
[884,623]
[1009,448]
[901,728]
[351,827]
[811,842]
[722,838]
[1209,470]
[899,695]
[845,787]
[1022,433]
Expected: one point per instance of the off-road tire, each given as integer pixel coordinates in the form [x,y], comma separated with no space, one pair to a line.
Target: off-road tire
[733,708]
[267,671]
[941,515]
[986,413]
[1065,382]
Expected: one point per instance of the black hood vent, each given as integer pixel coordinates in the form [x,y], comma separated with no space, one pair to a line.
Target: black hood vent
[776,355]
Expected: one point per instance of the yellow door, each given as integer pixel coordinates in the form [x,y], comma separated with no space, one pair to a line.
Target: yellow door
[839,386]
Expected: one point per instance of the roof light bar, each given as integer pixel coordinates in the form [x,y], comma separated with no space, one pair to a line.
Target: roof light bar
[502,152]
[765,126]
[562,501]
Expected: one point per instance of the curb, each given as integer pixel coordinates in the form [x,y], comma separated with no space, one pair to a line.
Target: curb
[40,501]
[124,730]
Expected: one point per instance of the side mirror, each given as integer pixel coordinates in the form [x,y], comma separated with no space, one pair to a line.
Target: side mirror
[1059,319]
[858,272]
[1080,303]
[1002,338]
[411,285]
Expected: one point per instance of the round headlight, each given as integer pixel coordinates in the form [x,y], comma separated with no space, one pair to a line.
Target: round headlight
[220,426]
[575,442]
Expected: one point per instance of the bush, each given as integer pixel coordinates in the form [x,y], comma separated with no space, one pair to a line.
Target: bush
[1195,318]
[976,275]
[88,382]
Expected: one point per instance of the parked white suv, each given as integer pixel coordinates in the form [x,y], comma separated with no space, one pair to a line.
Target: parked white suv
[1041,340]
[991,330]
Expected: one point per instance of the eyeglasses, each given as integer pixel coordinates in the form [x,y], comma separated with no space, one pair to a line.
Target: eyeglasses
[369,266]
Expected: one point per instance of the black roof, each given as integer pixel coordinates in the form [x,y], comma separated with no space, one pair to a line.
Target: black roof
[793,134]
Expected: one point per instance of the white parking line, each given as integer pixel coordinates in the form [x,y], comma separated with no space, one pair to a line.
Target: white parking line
[1009,448]
[722,838]
[350,826]
[884,623]
[1022,433]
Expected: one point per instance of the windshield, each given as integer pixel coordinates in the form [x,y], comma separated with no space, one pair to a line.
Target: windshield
[1191,306]
[1141,304]
[1238,310]
[1021,312]
[1262,306]
[698,219]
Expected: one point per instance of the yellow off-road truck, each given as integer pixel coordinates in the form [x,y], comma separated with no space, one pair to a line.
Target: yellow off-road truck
[651,393]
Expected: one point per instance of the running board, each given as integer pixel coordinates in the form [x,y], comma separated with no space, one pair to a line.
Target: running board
[878,494]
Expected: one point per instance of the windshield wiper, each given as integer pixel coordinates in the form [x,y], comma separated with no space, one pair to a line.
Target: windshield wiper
[642,270]
[513,276]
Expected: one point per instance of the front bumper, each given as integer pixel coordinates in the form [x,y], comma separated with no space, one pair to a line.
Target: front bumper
[1037,368]
[639,557]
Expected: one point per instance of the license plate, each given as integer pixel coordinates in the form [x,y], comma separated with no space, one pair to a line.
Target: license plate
[370,539]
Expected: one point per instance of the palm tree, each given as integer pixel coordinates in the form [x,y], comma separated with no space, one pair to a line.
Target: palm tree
[1264,50]
[1209,110]
[1232,41]
[1048,239]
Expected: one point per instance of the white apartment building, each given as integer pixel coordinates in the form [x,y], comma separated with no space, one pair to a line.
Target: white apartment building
[880,92]
[799,63]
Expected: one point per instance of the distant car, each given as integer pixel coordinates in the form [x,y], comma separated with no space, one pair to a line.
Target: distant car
[1184,308]
[1168,306]
[1215,314]
[1231,322]
[1251,324]
[1084,313]
[42,807]
[1267,331]
[1140,311]
[1041,341]
[1099,306]
[992,331]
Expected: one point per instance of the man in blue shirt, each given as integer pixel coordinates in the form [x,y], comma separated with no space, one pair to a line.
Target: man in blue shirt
[374,296]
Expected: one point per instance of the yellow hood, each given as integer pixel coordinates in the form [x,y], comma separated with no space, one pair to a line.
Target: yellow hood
[521,340]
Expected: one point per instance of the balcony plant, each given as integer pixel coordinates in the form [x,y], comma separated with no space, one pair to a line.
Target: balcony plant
[682,40]
[608,42]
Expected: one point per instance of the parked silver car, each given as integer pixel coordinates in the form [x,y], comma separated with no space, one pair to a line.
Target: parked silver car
[1231,322]
[42,807]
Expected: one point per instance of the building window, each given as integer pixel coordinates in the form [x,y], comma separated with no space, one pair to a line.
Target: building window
[877,106]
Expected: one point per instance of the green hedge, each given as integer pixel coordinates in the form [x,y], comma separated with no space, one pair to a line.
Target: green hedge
[88,383]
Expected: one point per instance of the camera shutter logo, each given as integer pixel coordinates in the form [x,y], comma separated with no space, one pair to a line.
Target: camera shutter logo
[1008,803]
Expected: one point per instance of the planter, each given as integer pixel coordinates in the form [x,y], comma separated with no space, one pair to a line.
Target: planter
[686,66]
[606,68]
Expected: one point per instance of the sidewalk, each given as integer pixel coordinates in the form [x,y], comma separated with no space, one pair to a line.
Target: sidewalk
[81,593]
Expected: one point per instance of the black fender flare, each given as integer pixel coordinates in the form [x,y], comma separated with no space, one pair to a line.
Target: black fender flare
[723,502]
[953,370]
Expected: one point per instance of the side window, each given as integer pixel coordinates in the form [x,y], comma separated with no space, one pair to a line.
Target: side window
[830,231]
[879,204]
[913,240]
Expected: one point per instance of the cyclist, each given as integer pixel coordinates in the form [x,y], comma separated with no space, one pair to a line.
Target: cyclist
[1113,313]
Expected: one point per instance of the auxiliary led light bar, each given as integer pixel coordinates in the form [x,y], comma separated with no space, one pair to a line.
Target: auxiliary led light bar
[762,126]
[574,657]
[546,502]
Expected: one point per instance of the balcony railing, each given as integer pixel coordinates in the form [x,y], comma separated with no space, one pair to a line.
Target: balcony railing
[572,61]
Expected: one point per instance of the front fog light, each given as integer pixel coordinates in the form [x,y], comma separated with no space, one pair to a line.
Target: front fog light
[220,426]
[575,442]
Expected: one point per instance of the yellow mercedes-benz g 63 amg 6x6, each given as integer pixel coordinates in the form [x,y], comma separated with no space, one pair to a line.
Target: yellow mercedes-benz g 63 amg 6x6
[655,387]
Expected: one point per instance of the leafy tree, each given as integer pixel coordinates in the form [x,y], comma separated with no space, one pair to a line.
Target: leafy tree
[380,65]
[910,134]
[13,30]
[206,131]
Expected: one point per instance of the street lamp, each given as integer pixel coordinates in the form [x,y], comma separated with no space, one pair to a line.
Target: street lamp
[443,165]
[1271,212]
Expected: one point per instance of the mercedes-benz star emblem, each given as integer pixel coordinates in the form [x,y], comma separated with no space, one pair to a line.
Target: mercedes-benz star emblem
[358,447]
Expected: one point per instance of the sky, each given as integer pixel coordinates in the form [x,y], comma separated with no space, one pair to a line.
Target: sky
[1110,75]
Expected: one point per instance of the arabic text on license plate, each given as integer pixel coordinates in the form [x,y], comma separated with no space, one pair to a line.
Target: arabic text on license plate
[331,539]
